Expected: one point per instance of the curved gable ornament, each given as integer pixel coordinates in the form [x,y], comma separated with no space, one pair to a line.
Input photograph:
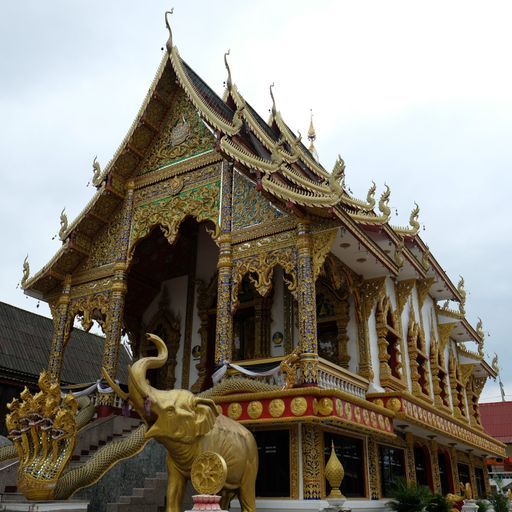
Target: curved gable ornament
[200,203]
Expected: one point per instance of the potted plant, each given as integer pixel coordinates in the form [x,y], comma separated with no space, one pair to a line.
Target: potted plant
[409,497]
[499,502]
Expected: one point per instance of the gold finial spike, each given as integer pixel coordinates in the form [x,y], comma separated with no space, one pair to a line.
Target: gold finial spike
[229,83]
[274,110]
[168,44]
[312,138]
[26,272]
[334,473]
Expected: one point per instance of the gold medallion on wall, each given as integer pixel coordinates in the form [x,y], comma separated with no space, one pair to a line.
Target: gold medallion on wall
[255,409]
[234,410]
[299,406]
[276,408]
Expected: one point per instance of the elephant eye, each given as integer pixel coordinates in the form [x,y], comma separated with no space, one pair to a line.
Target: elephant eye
[171,409]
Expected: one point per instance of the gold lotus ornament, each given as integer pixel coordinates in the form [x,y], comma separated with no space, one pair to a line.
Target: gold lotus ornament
[334,473]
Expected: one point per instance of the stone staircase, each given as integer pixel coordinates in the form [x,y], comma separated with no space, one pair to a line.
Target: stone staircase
[149,498]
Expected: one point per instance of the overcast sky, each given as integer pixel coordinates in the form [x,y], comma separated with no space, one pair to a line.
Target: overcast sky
[414,94]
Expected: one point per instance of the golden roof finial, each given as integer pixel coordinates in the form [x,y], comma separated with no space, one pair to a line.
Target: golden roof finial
[413,219]
[462,293]
[168,44]
[274,110]
[26,272]
[311,131]
[229,83]
[63,224]
[312,138]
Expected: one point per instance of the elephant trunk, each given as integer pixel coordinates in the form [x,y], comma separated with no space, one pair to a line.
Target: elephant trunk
[140,389]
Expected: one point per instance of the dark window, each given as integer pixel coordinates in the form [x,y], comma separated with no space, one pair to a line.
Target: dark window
[350,451]
[422,462]
[445,473]
[391,467]
[463,474]
[273,479]
[480,484]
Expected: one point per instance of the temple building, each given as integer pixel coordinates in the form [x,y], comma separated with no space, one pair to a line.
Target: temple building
[222,232]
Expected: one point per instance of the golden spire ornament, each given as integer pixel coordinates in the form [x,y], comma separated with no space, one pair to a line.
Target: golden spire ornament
[312,138]
[334,473]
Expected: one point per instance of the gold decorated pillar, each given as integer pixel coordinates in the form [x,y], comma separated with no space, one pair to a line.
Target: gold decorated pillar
[114,320]
[454,460]
[61,330]
[312,462]
[472,475]
[409,453]
[487,481]
[434,464]
[306,298]
[373,465]
[224,327]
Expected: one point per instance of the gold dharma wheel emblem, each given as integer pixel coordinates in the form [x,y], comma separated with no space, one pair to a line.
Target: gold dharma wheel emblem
[209,472]
[299,406]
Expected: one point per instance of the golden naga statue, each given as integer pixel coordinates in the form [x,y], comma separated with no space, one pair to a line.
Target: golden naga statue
[189,426]
[43,430]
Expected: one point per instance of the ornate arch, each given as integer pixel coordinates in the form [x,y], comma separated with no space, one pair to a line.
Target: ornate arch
[389,341]
[418,357]
[200,203]
[260,268]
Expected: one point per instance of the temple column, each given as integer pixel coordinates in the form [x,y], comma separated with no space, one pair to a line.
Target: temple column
[487,482]
[409,454]
[373,466]
[434,464]
[472,476]
[313,480]
[306,298]
[455,469]
[114,322]
[61,330]
[224,327]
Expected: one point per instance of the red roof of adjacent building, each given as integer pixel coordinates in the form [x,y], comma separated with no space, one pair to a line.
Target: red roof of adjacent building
[497,420]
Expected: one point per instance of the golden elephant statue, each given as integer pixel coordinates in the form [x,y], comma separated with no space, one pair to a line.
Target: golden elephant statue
[188,426]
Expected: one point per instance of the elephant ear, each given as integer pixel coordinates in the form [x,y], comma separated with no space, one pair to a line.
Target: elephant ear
[206,414]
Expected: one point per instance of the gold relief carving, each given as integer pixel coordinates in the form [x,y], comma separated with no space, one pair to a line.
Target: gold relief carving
[280,240]
[373,467]
[92,287]
[298,406]
[89,308]
[184,135]
[262,211]
[294,463]
[323,406]
[403,291]
[379,402]
[312,462]
[202,203]
[234,410]
[388,342]
[409,452]
[394,404]
[255,409]
[339,407]
[444,331]
[465,372]
[260,268]
[322,243]
[104,245]
[191,173]
[276,408]
[208,473]
[261,231]
[423,287]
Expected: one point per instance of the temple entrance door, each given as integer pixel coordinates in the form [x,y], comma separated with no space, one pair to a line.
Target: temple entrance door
[161,298]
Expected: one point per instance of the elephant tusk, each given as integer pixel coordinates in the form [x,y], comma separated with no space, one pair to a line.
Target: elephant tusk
[114,386]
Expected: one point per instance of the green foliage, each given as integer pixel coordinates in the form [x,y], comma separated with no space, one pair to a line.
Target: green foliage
[499,502]
[409,497]
[439,503]
[482,506]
